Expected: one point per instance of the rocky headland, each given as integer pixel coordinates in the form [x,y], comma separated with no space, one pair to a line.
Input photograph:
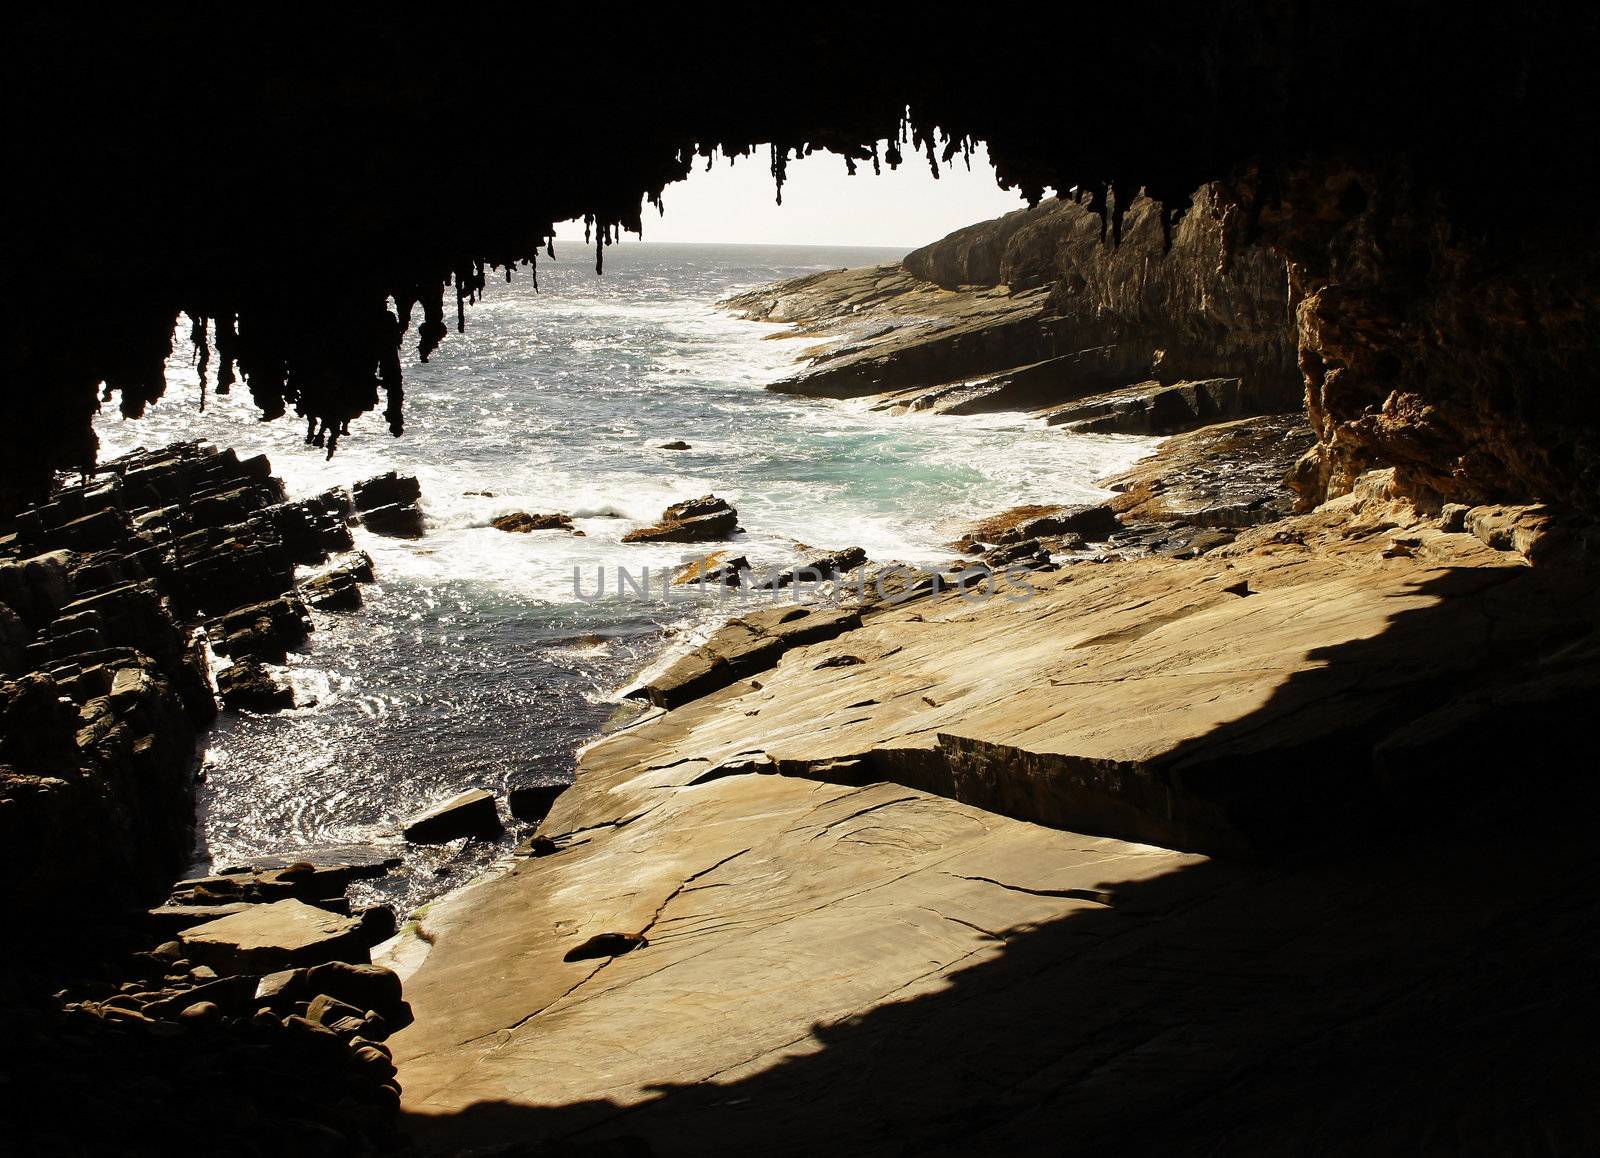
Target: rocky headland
[1035,312]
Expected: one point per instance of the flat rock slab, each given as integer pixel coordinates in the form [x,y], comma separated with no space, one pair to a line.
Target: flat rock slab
[767,906]
[472,813]
[742,930]
[265,938]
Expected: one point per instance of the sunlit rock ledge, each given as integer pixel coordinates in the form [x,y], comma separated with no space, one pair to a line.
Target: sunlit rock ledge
[744,901]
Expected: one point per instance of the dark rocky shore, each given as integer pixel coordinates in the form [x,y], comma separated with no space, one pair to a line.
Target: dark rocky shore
[113,1003]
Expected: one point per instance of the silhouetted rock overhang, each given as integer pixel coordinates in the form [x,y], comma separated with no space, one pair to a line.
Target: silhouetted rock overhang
[284,179]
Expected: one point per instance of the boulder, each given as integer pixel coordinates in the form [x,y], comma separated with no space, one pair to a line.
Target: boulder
[521,522]
[716,569]
[363,987]
[267,938]
[472,813]
[247,686]
[692,521]
[1092,521]
[741,648]
[390,489]
[396,520]
[678,444]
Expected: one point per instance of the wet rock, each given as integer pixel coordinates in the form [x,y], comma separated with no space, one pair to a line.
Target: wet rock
[1029,554]
[521,522]
[1229,475]
[717,569]
[1091,521]
[471,813]
[265,630]
[337,589]
[266,938]
[675,445]
[749,644]
[817,568]
[691,521]
[391,488]
[396,520]
[247,686]
[314,528]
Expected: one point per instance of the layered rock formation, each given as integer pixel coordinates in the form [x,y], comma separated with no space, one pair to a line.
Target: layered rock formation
[809,899]
[1034,311]
[103,592]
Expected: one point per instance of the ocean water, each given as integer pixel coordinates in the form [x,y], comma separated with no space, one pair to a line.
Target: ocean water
[472,663]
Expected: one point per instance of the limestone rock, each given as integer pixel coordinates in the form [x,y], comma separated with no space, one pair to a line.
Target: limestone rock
[1154,408]
[746,645]
[246,685]
[716,569]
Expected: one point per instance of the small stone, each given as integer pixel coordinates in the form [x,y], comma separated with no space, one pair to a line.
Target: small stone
[201,1011]
[324,1009]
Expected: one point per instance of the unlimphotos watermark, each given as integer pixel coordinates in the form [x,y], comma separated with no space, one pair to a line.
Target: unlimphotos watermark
[891,583]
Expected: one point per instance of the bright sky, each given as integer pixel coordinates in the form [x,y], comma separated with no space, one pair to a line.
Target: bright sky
[823,205]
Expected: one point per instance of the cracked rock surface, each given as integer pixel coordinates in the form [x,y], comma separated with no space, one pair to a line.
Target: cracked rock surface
[941,897]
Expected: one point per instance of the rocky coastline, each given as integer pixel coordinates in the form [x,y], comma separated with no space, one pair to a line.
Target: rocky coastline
[115,595]
[1064,800]
[1099,735]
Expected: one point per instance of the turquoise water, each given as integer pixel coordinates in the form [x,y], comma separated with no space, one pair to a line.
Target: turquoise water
[473,664]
